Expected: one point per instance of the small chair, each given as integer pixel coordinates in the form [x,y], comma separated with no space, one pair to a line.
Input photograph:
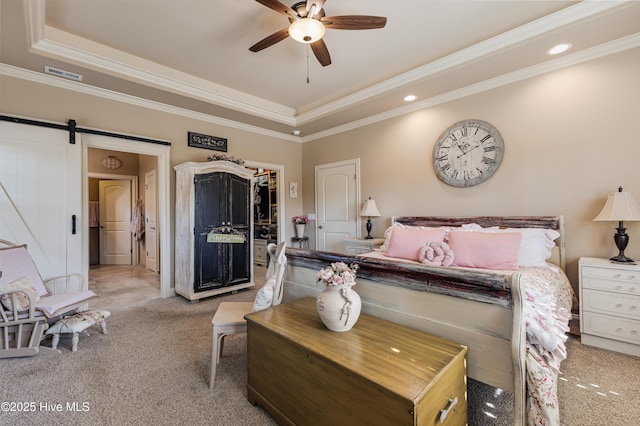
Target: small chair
[229,317]
[28,303]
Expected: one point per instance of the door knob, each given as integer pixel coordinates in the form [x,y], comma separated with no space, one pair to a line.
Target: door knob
[320,227]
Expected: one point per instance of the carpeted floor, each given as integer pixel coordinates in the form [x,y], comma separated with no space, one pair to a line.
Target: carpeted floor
[152,369]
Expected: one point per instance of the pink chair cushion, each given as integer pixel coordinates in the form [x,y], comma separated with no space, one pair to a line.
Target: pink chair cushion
[15,263]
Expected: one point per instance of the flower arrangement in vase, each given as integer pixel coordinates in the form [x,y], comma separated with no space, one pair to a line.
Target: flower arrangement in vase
[224,157]
[299,222]
[338,305]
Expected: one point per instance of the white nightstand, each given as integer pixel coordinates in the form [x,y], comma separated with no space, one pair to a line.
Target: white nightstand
[610,305]
[361,245]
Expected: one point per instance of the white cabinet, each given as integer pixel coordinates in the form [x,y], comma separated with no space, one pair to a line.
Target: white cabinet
[260,252]
[355,246]
[610,305]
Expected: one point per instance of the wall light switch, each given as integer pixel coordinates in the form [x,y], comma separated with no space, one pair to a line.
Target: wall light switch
[311,216]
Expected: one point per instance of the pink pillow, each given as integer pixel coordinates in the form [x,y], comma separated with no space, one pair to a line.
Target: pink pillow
[406,242]
[485,250]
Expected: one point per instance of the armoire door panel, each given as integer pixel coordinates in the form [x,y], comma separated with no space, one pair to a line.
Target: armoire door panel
[239,201]
[209,191]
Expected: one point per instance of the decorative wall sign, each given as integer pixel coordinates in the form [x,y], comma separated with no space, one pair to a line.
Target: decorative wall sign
[293,189]
[199,140]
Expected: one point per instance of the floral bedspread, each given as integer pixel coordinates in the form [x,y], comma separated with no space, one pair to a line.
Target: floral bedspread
[547,302]
[547,307]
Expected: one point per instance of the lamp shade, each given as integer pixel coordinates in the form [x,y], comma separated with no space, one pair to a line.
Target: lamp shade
[370,209]
[620,206]
[307,30]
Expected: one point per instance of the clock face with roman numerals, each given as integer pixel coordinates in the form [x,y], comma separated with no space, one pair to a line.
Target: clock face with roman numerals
[468,153]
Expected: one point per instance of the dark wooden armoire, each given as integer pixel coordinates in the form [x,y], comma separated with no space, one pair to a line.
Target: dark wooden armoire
[214,229]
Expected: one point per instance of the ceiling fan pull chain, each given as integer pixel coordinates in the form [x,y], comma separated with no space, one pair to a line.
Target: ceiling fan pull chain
[308,48]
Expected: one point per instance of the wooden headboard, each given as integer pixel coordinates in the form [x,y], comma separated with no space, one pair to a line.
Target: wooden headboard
[545,222]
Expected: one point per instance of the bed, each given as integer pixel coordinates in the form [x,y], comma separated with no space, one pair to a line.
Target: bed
[514,322]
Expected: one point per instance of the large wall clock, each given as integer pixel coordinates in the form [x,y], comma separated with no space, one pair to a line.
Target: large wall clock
[468,153]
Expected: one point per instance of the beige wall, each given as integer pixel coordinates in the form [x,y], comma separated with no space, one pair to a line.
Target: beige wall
[571,137]
[27,99]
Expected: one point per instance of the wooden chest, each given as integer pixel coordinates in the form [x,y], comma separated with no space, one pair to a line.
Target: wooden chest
[378,373]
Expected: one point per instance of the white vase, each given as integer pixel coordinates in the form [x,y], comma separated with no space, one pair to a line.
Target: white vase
[338,307]
[299,230]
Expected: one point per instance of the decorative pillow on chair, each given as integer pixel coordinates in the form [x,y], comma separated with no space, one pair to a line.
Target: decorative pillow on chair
[21,299]
[264,297]
[22,265]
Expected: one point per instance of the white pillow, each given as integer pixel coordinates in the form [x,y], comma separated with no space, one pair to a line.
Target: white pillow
[536,244]
[21,299]
[264,297]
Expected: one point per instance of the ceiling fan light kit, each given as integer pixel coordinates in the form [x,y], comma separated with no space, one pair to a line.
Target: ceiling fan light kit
[307,30]
[308,24]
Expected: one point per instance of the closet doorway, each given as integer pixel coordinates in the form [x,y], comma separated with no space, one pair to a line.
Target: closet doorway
[148,157]
[269,208]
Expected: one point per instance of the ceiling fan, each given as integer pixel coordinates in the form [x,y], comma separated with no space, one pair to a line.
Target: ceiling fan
[309,23]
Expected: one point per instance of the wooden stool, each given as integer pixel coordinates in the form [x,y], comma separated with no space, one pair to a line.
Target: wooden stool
[76,324]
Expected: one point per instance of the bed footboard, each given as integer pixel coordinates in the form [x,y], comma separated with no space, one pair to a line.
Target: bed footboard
[519,352]
[491,325]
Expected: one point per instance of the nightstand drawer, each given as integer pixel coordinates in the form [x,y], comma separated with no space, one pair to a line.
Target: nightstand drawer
[632,276]
[355,246]
[629,287]
[357,250]
[612,328]
[616,304]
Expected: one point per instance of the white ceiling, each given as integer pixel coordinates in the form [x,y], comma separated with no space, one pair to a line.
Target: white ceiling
[193,54]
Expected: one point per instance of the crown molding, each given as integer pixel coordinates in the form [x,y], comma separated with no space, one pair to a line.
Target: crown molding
[58,44]
[55,43]
[602,50]
[606,49]
[36,77]
[528,31]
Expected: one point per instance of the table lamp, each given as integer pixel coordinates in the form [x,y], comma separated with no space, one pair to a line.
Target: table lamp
[370,210]
[620,206]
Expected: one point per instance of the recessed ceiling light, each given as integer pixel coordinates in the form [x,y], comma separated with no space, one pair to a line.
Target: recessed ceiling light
[410,98]
[559,48]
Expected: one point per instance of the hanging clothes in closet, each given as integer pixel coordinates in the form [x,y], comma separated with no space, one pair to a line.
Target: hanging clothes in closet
[137,220]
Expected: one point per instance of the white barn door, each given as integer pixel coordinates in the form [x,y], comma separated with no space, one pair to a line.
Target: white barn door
[41,197]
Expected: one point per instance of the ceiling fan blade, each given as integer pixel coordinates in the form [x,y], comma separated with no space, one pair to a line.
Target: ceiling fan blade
[317,3]
[321,52]
[354,22]
[270,40]
[279,7]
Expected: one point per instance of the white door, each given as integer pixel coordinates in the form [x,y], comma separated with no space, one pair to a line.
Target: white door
[150,226]
[337,186]
[115,222]
[41,197]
